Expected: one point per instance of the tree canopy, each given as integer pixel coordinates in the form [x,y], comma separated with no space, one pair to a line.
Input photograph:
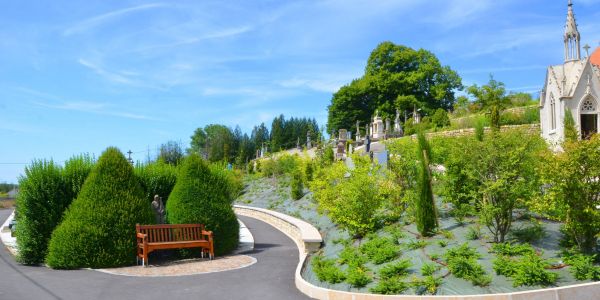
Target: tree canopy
[396,77]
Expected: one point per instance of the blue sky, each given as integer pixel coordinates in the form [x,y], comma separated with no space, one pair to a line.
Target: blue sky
[78,76]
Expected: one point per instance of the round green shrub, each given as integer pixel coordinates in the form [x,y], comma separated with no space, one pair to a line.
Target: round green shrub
[202,197]
[40,205]
[98,230]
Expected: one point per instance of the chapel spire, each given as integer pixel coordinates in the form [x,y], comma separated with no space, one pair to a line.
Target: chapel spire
[572,37]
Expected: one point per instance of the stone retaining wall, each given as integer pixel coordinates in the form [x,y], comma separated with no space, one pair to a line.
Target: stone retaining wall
[305,236]
[528,128]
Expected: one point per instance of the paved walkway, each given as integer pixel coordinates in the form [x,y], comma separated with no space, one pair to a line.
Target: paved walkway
[271,278]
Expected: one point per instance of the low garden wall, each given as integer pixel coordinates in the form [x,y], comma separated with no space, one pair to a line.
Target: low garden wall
[308,240]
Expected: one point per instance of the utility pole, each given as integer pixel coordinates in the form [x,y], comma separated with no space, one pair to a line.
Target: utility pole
[129,158]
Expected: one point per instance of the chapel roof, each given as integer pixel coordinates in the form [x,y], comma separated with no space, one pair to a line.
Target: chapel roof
[595,57]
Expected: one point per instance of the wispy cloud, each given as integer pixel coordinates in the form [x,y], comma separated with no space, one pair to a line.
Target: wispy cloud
[222,33]
[323,85]
[92,22]
[46,100]
[92,107]
[111,76]
[503,69]
[525,89]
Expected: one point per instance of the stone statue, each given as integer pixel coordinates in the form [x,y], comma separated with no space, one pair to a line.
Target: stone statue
[308,142]
[159,210]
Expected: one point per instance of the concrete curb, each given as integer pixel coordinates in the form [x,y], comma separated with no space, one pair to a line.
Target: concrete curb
[305,237]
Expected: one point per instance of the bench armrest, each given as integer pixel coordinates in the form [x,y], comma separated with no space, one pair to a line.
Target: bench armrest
[141,236]
[207,233]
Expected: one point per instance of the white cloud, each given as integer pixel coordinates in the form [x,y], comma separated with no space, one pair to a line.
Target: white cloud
[111,76]
[92,107]
[183,41]
[327,86]
[92,22]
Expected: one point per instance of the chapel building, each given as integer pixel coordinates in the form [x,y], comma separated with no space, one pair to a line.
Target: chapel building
[573,86]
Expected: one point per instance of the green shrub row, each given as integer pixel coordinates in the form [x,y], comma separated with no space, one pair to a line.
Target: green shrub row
[157,178]
[46,191]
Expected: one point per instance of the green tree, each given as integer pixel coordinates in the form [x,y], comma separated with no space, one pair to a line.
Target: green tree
[202,197]
[573,191]
[425,210]
[98,229]
[396,77]
[170,153]
[505,165]
[491,98]
[440,118]
[214,142]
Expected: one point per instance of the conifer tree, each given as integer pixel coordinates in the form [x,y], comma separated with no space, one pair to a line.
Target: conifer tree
[425,210]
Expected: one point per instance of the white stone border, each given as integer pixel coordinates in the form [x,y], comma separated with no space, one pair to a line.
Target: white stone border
[5,235]
[308,240]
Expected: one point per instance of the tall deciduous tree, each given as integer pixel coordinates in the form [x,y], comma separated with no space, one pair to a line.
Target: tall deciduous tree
[170,153]
[214,142]
[491,98]
[396,77]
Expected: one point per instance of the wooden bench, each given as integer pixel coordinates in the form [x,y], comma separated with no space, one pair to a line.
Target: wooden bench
[156,237]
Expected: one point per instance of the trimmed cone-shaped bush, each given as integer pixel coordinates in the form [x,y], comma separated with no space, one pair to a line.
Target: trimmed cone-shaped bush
[98,229]
[202,197]
[40,205]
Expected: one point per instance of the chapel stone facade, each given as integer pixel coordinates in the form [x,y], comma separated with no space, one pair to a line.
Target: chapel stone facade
[573,86]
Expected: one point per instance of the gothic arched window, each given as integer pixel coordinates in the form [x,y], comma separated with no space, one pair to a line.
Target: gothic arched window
[552,112]
[588,106]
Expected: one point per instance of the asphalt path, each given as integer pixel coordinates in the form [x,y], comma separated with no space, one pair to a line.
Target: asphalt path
[272,277]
